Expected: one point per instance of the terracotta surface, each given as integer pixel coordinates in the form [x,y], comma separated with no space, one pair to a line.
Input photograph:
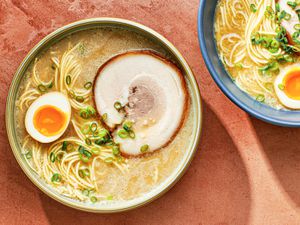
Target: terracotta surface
[245,172]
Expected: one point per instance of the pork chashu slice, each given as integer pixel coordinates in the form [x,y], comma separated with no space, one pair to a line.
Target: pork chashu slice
[153,94]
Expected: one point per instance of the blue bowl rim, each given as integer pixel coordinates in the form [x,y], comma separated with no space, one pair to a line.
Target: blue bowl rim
[223,87]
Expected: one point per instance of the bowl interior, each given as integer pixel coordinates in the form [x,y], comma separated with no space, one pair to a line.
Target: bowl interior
[223,80]
[103,207]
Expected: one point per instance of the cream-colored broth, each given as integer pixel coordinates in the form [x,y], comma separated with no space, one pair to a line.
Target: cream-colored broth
[144,173]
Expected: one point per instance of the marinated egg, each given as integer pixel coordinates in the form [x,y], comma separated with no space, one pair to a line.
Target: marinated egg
[48,117]
[287,86]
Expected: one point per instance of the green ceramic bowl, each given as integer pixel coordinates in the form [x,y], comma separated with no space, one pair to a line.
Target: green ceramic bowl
[91,24]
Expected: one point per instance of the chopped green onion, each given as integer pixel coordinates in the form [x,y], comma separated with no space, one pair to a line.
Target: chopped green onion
[88,85]
[84,154]
[287,16]
[88,141]
[297,26]
[79,99]
[277,7]
[103,133]
[260,98]
[72,94]
[281,86]
[123,133]
[56,177]
[127,125]
[116,150]
[81,48]
[253,8]
[52,157]
[293,5]
[94,199]
[50,85]
[86,192]
[64,145]
[68,80]
[118,106]
[104,117]
[84,173]
[131,134]
[42,88]
[28,155]
[93,126]
[87,113]
[144,148]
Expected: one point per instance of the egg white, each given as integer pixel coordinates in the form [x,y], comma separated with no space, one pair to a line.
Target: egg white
[55,99]
[283,98]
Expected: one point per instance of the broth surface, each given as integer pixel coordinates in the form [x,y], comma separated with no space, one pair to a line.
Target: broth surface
[144,173]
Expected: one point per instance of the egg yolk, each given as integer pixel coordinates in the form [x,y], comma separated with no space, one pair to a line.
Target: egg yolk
[292,84]
[49,120]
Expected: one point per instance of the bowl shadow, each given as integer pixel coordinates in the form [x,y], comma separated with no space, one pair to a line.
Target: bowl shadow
[215,190]
[282,148]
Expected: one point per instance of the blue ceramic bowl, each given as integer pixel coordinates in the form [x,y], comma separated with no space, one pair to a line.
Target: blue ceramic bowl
[220,76]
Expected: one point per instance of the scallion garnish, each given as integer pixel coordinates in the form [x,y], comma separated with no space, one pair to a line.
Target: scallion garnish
[253,8]
[281,86]
[118,106]
[260,98]
[64,145]
[293,5]
[68,80]
[131,134]
[144,148]
[28,155]
[116,150]
[104,117]
[86,192]
[123,133]
[88,85]
[42,88]
[56,177]
[52,157]
[93,127]
[88,141]
[94,199]
[79,99]
[84,154]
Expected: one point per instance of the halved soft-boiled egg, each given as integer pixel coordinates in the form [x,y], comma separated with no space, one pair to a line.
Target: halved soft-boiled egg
[287,86]
[48,117]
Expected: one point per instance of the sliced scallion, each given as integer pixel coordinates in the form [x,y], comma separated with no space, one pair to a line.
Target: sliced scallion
[253,8]
[123,133]
[281,86]
[68,80]
[79,99]
[260,98]
[56,177]
[116,150]
[118,106]
[94,199]
[88,85]
[42,88]
[52,157]
[144,148]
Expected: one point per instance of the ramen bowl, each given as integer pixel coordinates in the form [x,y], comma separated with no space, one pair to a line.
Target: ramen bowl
[82,26]
[206,18]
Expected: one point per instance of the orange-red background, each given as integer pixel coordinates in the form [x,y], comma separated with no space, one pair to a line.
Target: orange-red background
[245,172]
